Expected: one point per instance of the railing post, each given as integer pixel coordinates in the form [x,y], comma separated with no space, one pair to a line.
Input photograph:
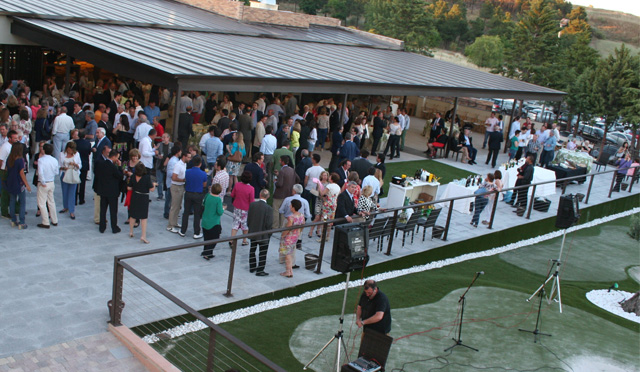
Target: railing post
[322,242]
[533,196]
[633,176]
[586,199]
[446,226]
[613,181]
[232,264]
[393,230]
[116,298]
[212,350]
[495,206]
[564,187]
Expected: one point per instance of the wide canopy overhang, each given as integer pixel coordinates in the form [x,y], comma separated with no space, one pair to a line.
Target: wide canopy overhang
[315,60]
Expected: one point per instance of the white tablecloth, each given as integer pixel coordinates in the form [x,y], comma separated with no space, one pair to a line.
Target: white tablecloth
[539,175]
[454,190]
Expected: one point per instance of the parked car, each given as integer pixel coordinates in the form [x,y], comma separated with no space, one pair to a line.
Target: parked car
[619,138]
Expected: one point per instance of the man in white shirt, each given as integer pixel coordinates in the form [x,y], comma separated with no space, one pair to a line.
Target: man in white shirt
[62,126]
[176,154]
[142,130]
[147,152]
[133,119]
[489,126]
[48,169]
[268,147]
[198,106]
[4,128]
[185,101]
[314,172]
[177,191]
[514,127]
[371,180]
[272,120]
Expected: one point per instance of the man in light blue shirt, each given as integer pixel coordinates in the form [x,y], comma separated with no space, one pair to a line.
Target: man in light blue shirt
[213,148]
[285,208]
[548,149]
[152,110]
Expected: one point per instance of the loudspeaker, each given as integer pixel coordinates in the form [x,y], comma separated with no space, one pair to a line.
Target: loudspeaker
[568,211]
[350,247]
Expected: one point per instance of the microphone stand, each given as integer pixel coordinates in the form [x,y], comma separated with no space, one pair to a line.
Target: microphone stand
[462,301]
[540,292]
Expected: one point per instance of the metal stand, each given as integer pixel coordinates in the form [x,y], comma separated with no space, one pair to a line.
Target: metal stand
[536,332]
[338,335]
[462,301]
[554,273]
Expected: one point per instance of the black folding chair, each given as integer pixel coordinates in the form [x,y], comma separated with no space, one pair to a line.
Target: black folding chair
[428,222]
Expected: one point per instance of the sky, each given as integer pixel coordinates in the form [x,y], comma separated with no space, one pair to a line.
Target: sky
[627,6]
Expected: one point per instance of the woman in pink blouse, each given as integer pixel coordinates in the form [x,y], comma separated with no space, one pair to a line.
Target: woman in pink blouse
[243,196]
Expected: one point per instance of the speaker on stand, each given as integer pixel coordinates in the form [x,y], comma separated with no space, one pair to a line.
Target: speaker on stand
[568,211]
[350,245]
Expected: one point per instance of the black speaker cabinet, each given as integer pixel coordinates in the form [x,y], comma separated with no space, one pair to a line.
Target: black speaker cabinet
[350,247]
[568,211]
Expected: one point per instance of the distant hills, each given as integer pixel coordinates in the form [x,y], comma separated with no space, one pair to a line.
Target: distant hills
[612,28]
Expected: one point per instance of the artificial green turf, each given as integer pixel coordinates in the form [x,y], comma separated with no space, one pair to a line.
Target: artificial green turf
[269,332]
[445,172]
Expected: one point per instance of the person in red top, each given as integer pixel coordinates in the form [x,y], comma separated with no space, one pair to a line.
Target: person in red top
[159,130]
[243,196]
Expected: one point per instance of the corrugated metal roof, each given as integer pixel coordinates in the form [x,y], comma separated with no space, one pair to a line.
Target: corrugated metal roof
[173,14]
[247,63]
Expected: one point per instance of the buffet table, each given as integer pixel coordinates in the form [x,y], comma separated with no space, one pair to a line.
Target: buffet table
[578,157]
[510,175]
[454,190]
[397,193]
[562,172]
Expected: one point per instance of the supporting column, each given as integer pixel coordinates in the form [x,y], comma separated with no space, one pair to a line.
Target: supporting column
[67,74]
[176,115]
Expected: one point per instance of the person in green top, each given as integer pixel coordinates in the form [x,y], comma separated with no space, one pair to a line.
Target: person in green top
[213,210]
[514,145]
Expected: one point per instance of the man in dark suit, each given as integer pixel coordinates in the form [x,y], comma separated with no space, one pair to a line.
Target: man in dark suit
[343,171]
[98,147]
[260,218]
[336,144]
[378,130]
[185,127]
[349,149]
[345,206]
[436,128]
[113,107]
[258,180]
[361,165]
[303,164]
[71,101]
[286,179]
[83,147]
[108,188]
[224,121]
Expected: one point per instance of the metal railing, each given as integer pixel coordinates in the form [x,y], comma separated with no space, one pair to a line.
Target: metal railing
[117,305]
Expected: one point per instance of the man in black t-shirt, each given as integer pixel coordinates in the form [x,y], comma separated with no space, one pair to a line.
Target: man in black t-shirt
[373,312]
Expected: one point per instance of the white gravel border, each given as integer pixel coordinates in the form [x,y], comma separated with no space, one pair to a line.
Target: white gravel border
[270,305]
[610,301]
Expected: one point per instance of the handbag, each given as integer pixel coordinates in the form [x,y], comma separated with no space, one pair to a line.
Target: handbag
[71,176]
[236,157]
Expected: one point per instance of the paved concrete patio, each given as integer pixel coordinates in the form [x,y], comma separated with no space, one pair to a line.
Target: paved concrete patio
[55,283]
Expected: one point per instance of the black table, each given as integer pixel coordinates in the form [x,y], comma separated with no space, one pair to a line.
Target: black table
[568,172]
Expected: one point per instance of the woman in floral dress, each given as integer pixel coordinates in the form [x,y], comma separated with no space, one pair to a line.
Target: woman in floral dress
[323,180]
[330,196]
[289,238]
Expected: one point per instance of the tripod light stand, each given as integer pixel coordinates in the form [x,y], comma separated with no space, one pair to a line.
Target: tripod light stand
[339,335]
[462,301]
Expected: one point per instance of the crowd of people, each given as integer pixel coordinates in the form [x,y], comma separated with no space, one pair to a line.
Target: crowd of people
[112,133]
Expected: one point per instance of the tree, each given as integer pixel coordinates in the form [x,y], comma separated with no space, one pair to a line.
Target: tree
[534,46]
[616,88]
[406,20]
[451,22]
[486,51]
[312,6]
[487,10]
[579,97]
